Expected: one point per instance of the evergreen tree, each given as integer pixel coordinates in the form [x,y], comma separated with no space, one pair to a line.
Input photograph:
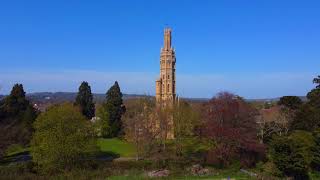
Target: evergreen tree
[289,158]
[16,102]
[16,118]
[17,107]
[84,100]
[314,97]
[115,109]
[317,81]
[291,102]
[308,115]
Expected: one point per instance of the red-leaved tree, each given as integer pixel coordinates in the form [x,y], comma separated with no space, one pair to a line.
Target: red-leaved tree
[229,122]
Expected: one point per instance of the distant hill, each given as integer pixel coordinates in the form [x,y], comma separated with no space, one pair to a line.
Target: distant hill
[58,97]
[195,100]
[303,98]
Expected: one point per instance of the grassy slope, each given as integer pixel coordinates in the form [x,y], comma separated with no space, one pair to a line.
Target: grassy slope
[117,146]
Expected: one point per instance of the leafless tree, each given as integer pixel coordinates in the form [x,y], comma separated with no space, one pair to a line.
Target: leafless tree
[140,129]
[272,121]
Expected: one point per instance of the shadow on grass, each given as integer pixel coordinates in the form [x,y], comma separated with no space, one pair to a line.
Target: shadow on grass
[26,156]
[105,156]
[18,157]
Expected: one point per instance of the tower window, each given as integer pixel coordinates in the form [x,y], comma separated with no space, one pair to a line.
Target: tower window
[168,90]
[168,76]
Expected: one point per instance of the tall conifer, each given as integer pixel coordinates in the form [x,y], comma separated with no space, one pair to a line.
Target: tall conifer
[16,102]
[84,100]
[115,108]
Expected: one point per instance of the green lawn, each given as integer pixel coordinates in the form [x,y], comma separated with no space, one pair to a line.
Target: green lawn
[117,146]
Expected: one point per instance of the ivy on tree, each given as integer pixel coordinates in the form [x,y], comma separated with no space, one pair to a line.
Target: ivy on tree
[84,100]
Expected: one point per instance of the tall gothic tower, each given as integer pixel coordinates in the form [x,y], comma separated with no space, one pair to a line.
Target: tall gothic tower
[166,83]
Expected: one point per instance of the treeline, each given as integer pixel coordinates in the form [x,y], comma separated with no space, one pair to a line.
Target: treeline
[278,140]
[294,144]
[18,116]
[221,132]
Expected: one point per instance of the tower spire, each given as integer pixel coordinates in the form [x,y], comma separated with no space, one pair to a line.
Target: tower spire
[167,39]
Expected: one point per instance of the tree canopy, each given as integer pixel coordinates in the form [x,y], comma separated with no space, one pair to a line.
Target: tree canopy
[291,102]
[62,137]
[292,155]
[317,81]
[230,122]
[16,102]
[307,117]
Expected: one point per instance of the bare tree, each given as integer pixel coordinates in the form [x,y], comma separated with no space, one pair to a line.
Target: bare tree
[139,123]
[150,128]
[274,121]
[185,120]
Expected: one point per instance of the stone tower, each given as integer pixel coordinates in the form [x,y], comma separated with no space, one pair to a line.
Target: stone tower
[166,83]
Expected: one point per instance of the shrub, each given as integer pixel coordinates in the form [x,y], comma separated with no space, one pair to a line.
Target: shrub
[316,151]
[290,157]
[62,137]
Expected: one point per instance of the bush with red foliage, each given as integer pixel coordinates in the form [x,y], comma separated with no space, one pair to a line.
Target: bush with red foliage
[230,123]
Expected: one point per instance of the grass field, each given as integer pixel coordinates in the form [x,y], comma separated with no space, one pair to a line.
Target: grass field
[117,146]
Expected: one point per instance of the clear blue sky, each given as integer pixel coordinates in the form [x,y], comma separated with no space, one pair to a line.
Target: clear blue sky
[257,49]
